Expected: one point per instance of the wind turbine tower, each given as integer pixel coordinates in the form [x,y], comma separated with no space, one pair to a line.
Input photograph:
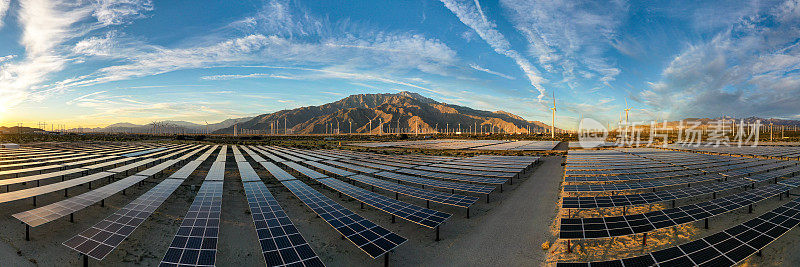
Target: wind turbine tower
[553,126]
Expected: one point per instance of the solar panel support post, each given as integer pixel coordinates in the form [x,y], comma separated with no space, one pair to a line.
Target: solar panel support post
[34,201]
[467,212]
[66,193]
[85,260]
[706,223]
[27,232]
[72,217]
[673,203]
[392,218]
[102,202]
[644,240]
[750,208]
[714,195]
[386,259]
[569,246]
[437,234]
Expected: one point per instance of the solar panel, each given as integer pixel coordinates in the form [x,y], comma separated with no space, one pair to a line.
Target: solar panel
[472,188]
[305,171]
[99,240]
[453,177]
[281,243]
[435,196]
[603,227]
[353,167]
[725,248]
[102,238]
[269,155]
[413,213]
[642,185]
[650,197]
[45,214]
[140,153]
[195,244]
[330,169]
[283,154]
[631,177]
[369,237]
[277,172]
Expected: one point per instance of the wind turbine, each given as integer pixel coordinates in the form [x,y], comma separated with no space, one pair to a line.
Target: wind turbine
[553,126]
[627,108]
[206,127]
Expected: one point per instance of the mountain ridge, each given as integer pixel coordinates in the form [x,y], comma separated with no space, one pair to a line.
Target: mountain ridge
[404,112]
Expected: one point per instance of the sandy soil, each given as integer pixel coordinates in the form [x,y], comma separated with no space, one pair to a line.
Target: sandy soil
[508,231]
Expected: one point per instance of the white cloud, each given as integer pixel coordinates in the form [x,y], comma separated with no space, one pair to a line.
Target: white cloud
[570,36]
[112,12]
[750,69]
[45,26]
[7,58]
[225,77]
[478,67]
[472,17]
[4,4]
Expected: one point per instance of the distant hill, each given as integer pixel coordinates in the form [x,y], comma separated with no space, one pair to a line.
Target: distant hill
[168,126]
[405,110]
[16,130]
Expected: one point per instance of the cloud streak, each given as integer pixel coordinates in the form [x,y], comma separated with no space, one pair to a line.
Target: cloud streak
[472,17]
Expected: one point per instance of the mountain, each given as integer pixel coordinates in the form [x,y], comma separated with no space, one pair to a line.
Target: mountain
[405,110]
[169,126]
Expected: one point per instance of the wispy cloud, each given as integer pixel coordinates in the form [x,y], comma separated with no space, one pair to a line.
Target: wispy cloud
[4,4]
[252,75]
[475,19]
[111,12]
[750,69]
[478,67]
[570,36]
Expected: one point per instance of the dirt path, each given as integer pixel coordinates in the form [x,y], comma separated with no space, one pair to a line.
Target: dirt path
[511,233]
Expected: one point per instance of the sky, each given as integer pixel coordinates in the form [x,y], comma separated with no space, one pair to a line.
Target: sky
[93,63]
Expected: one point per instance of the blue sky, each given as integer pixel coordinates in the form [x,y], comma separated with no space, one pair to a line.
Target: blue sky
[92,63]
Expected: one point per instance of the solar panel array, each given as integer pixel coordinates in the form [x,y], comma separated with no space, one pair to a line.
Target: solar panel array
[725,248]
[102,238]
[502,145]
[369,237]
[45,214]
[195,242]
[604,171]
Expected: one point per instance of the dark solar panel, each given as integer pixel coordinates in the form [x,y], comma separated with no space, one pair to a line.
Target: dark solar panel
[369,237]
[413,213]
[195,244]
[102,238]
[603,227]
[280,241]
[650,197]
[725,248]
[330,169]
[453,177]
[435,196]
[464,187]
[304,170]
